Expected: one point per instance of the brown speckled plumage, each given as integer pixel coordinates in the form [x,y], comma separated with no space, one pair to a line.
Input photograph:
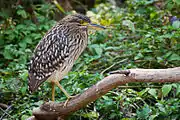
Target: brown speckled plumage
[56,53]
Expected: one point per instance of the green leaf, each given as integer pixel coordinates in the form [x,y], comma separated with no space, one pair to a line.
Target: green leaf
[166,89]
[33,27]
[28,40]
[20,27]
[129,24]
[22,59]
[38,103]
[152,117]
[177,1]
[170,5]
[7,55]
[23,44]
[22,13]
[144,113]
[8,52]
[141,93]
[97,49]
[174,56]
[161,107]
[36,36]
[138,56]
[176,24]
[92,114]
[128,119]
[24,75]
[4,14]
[23,90]
[24,117]
[153,92]
[152,15]
[2,41]
[2,86]
[178,89]
[168,54]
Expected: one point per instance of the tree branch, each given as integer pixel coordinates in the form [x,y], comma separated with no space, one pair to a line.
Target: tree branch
[56,111]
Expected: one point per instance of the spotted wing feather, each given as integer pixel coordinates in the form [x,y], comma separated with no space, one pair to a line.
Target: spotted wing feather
[49,56]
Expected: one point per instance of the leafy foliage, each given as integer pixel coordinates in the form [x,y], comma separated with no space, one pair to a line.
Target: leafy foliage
[140,34]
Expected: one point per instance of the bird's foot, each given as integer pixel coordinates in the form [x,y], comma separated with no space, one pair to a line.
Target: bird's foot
[69,98]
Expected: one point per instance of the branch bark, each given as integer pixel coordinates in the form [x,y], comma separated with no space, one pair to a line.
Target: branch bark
[56,111]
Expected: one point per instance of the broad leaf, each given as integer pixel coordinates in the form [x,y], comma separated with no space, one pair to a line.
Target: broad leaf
[153,92]
[166,89]
[129,24]
[22,13]
[176,24]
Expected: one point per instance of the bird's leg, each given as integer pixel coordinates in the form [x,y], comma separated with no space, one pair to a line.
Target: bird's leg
[65,92]
[62,89]
[53,90]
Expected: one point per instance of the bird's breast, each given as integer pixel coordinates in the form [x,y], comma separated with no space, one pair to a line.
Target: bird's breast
[59,74]
[77,43]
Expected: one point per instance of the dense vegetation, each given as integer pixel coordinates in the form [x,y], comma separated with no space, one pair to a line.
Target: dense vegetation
[140,34]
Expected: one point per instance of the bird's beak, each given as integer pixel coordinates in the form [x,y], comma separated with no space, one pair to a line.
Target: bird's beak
[95,26]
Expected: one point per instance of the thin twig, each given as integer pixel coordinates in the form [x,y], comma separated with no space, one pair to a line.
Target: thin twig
[5,112]
[123,56]
[113,66]
[2,105]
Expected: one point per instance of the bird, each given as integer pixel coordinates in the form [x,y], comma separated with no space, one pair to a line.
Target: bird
[57,51]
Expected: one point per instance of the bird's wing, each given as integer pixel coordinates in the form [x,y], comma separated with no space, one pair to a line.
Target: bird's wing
[49,55]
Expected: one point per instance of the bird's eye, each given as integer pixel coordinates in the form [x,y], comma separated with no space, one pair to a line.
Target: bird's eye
[81,21]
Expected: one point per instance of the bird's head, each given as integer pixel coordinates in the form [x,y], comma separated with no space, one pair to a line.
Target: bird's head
[82,20]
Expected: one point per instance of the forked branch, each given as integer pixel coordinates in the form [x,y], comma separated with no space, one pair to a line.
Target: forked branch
[56,111]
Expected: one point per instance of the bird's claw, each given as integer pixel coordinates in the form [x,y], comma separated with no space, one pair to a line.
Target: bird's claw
[69,98]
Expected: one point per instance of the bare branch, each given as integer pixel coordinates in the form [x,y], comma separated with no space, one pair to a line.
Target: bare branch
[54,111]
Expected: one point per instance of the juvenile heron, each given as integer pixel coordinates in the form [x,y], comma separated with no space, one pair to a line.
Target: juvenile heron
[56,53]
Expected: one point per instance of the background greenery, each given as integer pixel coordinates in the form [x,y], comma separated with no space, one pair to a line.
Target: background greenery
[140,34]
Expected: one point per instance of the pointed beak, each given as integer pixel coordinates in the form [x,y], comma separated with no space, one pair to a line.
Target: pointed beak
[95,26]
